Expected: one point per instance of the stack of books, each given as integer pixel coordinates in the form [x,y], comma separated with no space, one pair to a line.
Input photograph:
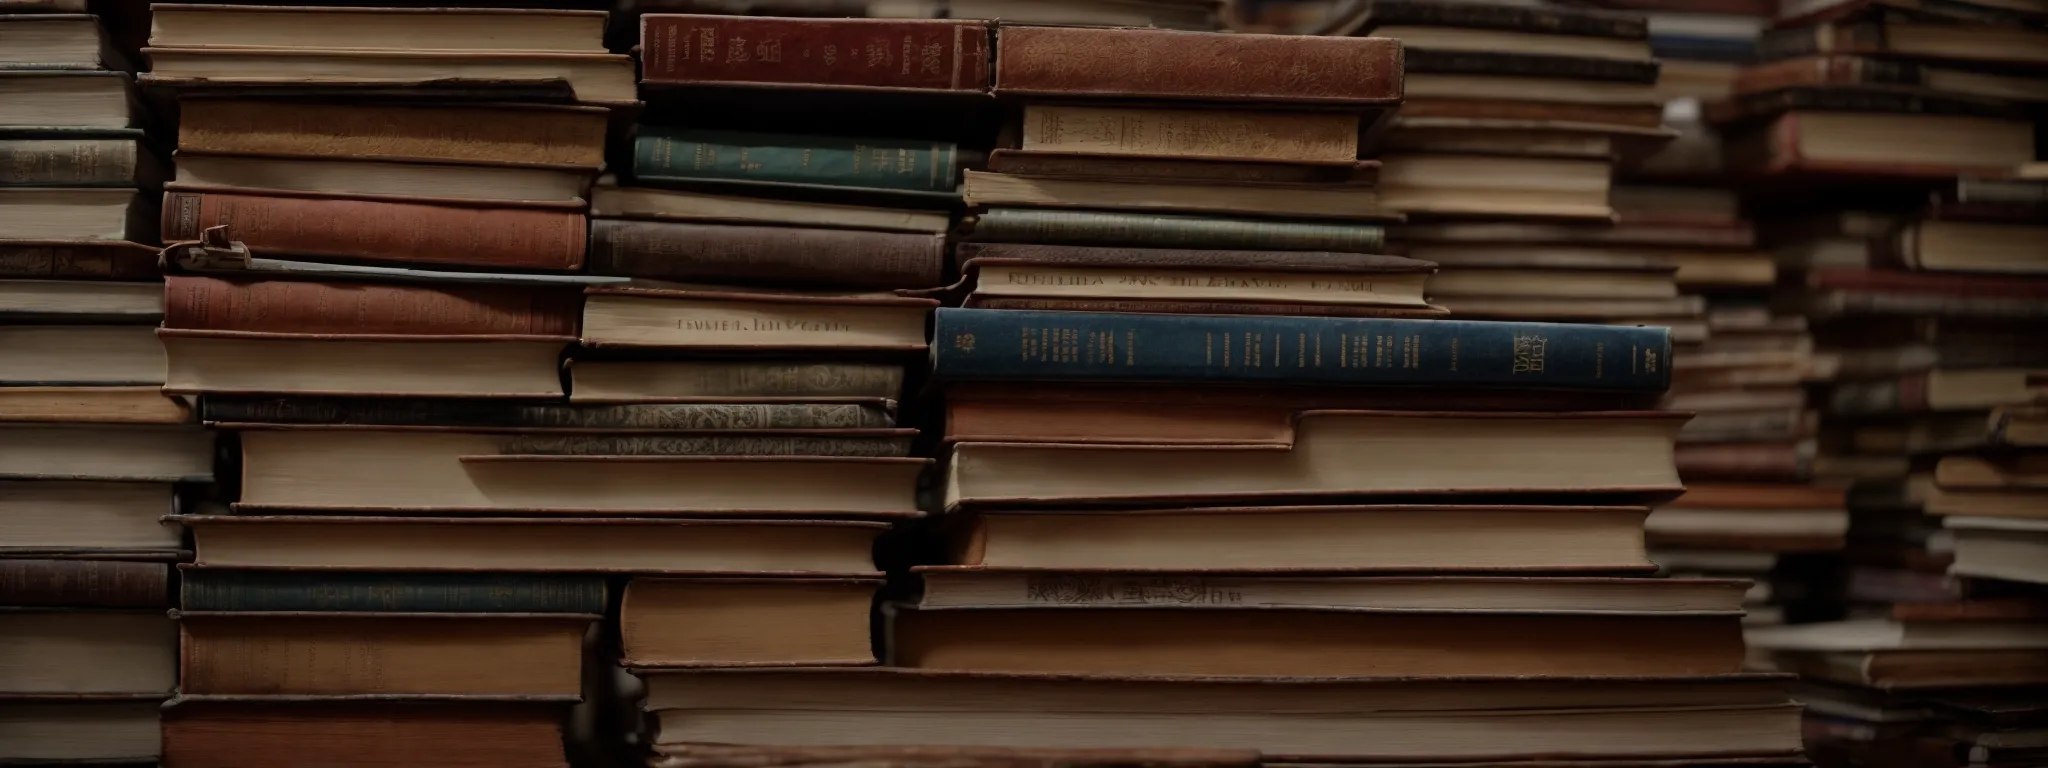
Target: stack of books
[372,221]
[1198,518]
[92,454]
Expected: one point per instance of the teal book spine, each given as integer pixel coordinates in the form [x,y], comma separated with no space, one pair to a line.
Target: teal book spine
[233,590]
[683,155]
[1056,227]
[1021,345]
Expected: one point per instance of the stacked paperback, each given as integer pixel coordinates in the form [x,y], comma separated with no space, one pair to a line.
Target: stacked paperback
[92,455]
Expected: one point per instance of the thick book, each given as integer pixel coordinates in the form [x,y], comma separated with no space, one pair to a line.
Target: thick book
[1880,146]
[1083,62]
[1600,721]
[269,590]
[103,404]
[102,651]
[1329,138]
[78,260]
[510,186]
[65,356]
[1057,271]
[119,519]
[91,729]
[288,306]
[769,380]
[589,78]
[530,135]
[85,583]
[1302,201]
[676,155]
[1621,457]
[1155,230]
[156,453]
[1064,164]
[1299,642]
[755,321]
[999,345]
[68,301]
[1897,35]
[731,621]
[81,162]
[282,223]
[54,100]
[249,731]
[609,201]
[75,213]
[1547,20]
[441,29]
[773,255]
[1838,70]
[946,586]
[247,362]
[625,417]
[893,54]
[456,654]
[1432,61]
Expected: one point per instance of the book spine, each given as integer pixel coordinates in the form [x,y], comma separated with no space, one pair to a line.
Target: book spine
[1872,100]
[795,380]
[721,445]
[81,163]
[1165,169]
[1638,115]
[1792,43]
[85,583]
[214,590]
[1510,17]
[1085,61]
[487,135]
[1060,346]
[721,416]
[920,54]
[1348,264]
[677,416]
[383,231]
[1530,65]
[671,250]
[1281,136]
[1742,461]
[664,155]
[285,306]
[1195,307]
[77,262]
[1163,231]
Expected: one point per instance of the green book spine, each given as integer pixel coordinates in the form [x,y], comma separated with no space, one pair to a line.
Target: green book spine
[229,590]
[777,158]
[1054,227]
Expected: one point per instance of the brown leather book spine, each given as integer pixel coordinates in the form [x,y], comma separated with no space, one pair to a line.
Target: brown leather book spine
[1761,496]
[1741,461]
[337,733]
[1188,258]
[915,54]
[286,306]
[525,238]
[1635,116]
[78,261]
[688,251]
[1199,307]
[85,583]
[1153,63]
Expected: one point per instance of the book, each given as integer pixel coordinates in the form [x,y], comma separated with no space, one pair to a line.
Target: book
[1838,70]
[80,301]
[1076,62]
[728,380]
[56,41]
[726,320]
[402,29]
[1594,26]
[974,344]
[1553,233]
[1054,271]
[1938,390]
[1339,455]
[681,156]
[934,55]
[1889,635]
[995,587]
[387,366]
[331,542]
[73,213]
[2023,502]
[1957,246]
[85,583]
[1362,718]
[1492,100]
[95,404]
[216,589]
[1887,35]
[608,201]
[503,654]
[57,516]
[1474,185]
[125,452]
[1062,227]
[1779,518]
[236,731]
[1233,135]
[1087,166]
[1284,539]
[415,233]
[509,185]
[104,729]
[202,302]
[526,135]
[592,78]
[78,355]
[710,621]
[322,467]
[1875,144]
[1995,472]
[78,260]
[529,417]
[1789,461]
[58,99]
[1172,14]
[1450,51]
[1296,642]
[771,254]
[1999,548]
[1299,201]
[78,162]
[89,651]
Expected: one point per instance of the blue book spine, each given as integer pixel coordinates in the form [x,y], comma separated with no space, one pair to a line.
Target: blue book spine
[999,344]
[231,590]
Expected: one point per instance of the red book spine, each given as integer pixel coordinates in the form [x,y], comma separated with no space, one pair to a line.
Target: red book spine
[872,53]
[520,238]
[1157,63]
[287,306]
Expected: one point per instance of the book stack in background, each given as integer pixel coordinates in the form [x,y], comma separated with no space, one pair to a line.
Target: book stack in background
[92,454]
[375,213]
